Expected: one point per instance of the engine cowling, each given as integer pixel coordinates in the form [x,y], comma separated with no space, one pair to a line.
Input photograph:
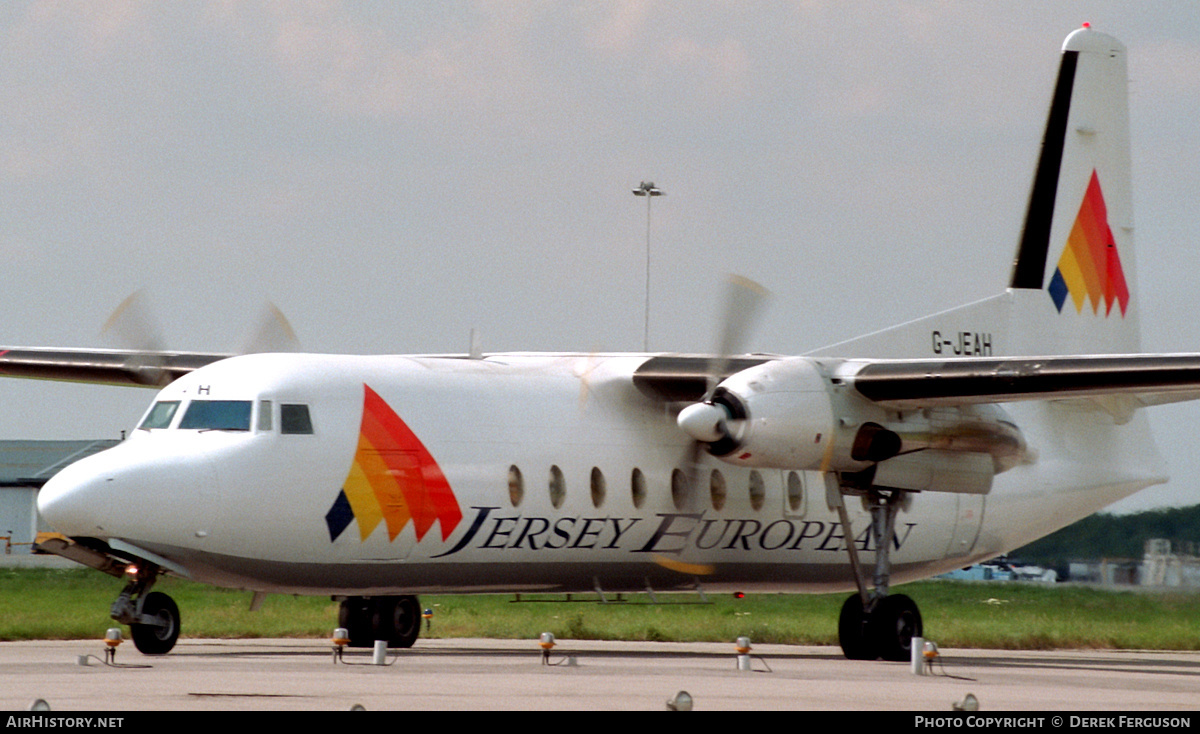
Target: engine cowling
[778,414]
[791,414]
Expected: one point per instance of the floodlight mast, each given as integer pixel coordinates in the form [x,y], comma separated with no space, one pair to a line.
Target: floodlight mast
[648,190]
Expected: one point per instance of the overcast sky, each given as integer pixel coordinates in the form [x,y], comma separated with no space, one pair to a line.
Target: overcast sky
[393,174]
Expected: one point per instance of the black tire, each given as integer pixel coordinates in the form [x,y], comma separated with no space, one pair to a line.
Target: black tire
[406,621]
[157,639]
[854,631]
[355,614]
[896,620]
[397,619]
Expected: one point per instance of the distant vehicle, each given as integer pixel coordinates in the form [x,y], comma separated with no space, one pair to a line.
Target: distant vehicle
[1002,570]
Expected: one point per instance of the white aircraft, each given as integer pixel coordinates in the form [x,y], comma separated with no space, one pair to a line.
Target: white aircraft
[891,457]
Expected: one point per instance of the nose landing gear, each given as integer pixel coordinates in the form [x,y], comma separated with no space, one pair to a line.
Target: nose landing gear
[159,630]
[153,617]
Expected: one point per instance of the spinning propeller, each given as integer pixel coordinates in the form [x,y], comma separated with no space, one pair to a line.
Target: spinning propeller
[134,329]
[716,422]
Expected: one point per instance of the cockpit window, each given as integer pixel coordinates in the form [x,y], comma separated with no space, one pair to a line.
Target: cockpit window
[160,415]
[217,415]
[294,418]
[264,416]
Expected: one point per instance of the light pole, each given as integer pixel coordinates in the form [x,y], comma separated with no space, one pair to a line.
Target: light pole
[648,190]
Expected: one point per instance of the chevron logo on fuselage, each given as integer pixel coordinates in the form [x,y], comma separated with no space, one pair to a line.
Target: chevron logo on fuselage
[393,479]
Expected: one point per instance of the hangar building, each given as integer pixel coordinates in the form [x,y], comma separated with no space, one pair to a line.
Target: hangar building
[24,467]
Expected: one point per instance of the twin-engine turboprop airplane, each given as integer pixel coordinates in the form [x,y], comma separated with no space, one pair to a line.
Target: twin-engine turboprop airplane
[891,457]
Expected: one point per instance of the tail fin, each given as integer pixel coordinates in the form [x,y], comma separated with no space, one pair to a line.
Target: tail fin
[1072,284]
[1077,244]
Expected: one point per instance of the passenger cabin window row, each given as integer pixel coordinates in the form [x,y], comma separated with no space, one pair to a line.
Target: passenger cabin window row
[681,489]
[227,415]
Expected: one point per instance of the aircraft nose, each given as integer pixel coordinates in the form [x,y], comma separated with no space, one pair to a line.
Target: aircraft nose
[72,501]
[119,493]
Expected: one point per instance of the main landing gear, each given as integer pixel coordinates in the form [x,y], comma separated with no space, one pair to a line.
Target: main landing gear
[152,616]
[873,624]
[396,619]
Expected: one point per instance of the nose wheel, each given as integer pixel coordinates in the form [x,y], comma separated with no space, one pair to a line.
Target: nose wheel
[158,633]
[152,616]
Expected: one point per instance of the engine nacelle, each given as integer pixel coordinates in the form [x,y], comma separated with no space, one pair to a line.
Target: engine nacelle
[776,415]
[790,414]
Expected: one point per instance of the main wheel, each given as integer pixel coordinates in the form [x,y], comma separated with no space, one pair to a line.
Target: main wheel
[854,631]
[895,621]
[355,614]
[397,619]
[159,637]
[406,621]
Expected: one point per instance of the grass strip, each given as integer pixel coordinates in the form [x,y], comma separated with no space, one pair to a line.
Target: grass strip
[74,604]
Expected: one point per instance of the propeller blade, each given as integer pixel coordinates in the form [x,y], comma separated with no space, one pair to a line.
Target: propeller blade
[707,422]
[744,300]
[583,369]
[274,334]
[132,327]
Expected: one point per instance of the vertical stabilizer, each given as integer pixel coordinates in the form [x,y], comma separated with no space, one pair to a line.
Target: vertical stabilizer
[1077,245]
[1072,288]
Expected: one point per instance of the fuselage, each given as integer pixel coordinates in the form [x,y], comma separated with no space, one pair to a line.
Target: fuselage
[327,474]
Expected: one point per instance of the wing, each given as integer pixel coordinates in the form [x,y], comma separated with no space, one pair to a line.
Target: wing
[681,377]
[1147,379]
[824,414]
[102,366]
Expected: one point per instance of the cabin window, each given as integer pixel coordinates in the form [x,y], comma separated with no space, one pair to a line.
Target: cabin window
[217,415]
[795,491]
[294,419]
[516,486]
[599,487]
[758,490]
[558,487]
[160,415]
[716,488]
[264,416]
[680,489]
[638,488]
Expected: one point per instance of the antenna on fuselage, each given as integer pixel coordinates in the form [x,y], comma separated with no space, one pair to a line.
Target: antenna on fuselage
[476,348]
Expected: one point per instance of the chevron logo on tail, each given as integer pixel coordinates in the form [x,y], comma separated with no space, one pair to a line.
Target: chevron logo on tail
[1090,267]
